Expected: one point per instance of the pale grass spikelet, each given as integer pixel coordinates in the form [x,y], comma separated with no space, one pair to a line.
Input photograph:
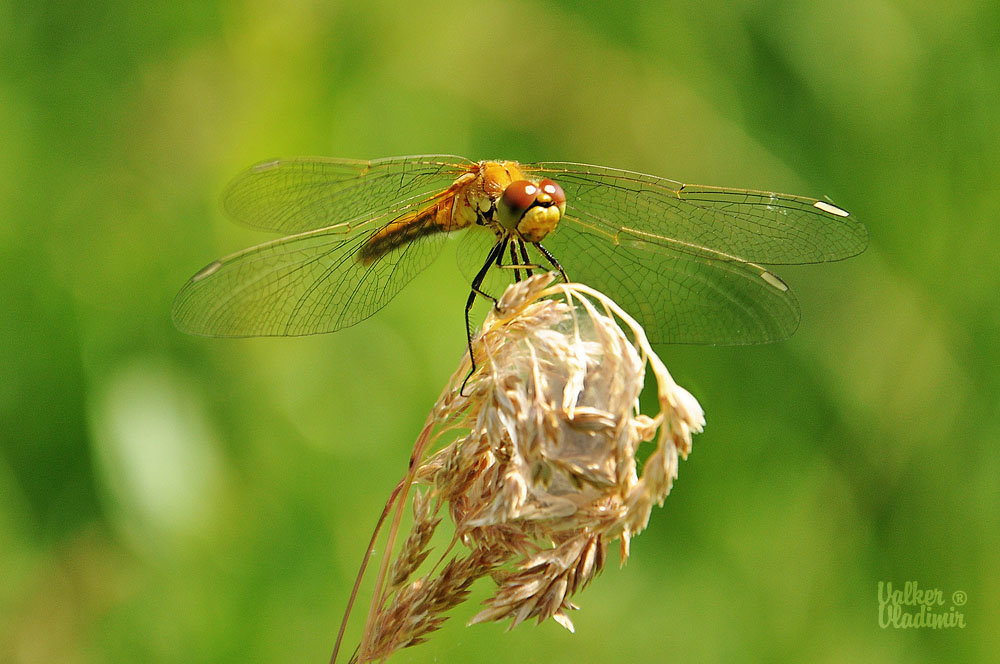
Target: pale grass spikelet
[538,467]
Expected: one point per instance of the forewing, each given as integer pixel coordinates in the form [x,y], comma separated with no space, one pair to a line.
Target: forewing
[303,284]
[302,194]
[712,222]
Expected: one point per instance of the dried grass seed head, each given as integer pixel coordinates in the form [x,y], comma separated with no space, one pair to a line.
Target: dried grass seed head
[555,400]
[539,470]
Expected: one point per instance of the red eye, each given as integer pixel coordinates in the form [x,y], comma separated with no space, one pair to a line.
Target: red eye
[519,196]
[554,191]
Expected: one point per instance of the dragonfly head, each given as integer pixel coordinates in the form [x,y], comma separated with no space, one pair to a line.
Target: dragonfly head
[532,209]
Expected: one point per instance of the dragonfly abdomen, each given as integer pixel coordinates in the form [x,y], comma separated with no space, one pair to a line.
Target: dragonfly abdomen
[435,218]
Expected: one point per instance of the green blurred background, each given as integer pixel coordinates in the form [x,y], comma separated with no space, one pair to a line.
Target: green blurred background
[165,498]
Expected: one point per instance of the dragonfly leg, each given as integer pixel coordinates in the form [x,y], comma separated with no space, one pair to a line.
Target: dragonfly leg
[513,260]
[494,256]
[524,256]
[552,260]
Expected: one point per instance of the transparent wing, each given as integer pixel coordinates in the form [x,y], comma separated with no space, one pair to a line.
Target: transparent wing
[676,296]
[303,284]
[312,281]
[295,195]
[714,222]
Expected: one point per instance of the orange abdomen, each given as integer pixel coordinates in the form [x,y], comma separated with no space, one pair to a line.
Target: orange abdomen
[435,218]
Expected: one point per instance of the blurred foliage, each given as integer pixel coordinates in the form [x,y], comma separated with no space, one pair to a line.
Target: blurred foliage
[175,499]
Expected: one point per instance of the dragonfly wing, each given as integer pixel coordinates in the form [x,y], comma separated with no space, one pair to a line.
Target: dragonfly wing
[296,195]
[712,222]
[303,284]
[676,296]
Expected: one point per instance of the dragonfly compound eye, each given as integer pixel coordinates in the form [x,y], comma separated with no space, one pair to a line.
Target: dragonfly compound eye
[520,195]
[515,201]
[553,191]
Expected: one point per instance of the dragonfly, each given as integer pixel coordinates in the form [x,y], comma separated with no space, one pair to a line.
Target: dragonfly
[690,263]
